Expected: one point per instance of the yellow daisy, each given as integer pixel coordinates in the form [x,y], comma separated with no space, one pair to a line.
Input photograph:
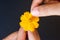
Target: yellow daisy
[29,22]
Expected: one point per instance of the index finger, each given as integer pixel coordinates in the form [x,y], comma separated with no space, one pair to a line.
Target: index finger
[35,3]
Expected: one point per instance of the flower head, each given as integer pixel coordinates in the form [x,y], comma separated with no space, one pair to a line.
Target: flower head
[29,22]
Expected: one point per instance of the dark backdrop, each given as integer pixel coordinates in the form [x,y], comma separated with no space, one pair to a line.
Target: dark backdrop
[10,11]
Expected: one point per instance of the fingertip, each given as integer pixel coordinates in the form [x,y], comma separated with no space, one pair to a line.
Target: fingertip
[33,35]
[30,36]
[35,12]
[40,11]
[21,34]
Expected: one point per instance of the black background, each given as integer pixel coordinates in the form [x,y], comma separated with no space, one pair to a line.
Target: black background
[10,11]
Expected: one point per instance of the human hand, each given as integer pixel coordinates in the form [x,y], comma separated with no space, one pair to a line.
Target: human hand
[21,35]
[36,3]
[51,7]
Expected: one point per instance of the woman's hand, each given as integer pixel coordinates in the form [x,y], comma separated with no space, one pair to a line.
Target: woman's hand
[51,7]
[21,35]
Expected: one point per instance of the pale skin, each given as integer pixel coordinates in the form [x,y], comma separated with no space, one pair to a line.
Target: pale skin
[51,7]
[21,35]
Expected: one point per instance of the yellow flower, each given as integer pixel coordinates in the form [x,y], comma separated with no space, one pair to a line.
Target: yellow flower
[29,22]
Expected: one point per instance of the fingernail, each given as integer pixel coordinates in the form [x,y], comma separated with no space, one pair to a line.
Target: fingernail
[35,12]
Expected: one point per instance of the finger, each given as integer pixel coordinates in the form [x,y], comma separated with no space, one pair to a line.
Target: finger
[33,35]
[12,36]
[50,1]
[35,3]
[21,34]
[46,10]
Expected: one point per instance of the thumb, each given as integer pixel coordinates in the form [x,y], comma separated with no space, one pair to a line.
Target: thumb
[46,10]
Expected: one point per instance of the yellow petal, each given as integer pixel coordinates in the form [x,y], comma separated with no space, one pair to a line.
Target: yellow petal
[36,25]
